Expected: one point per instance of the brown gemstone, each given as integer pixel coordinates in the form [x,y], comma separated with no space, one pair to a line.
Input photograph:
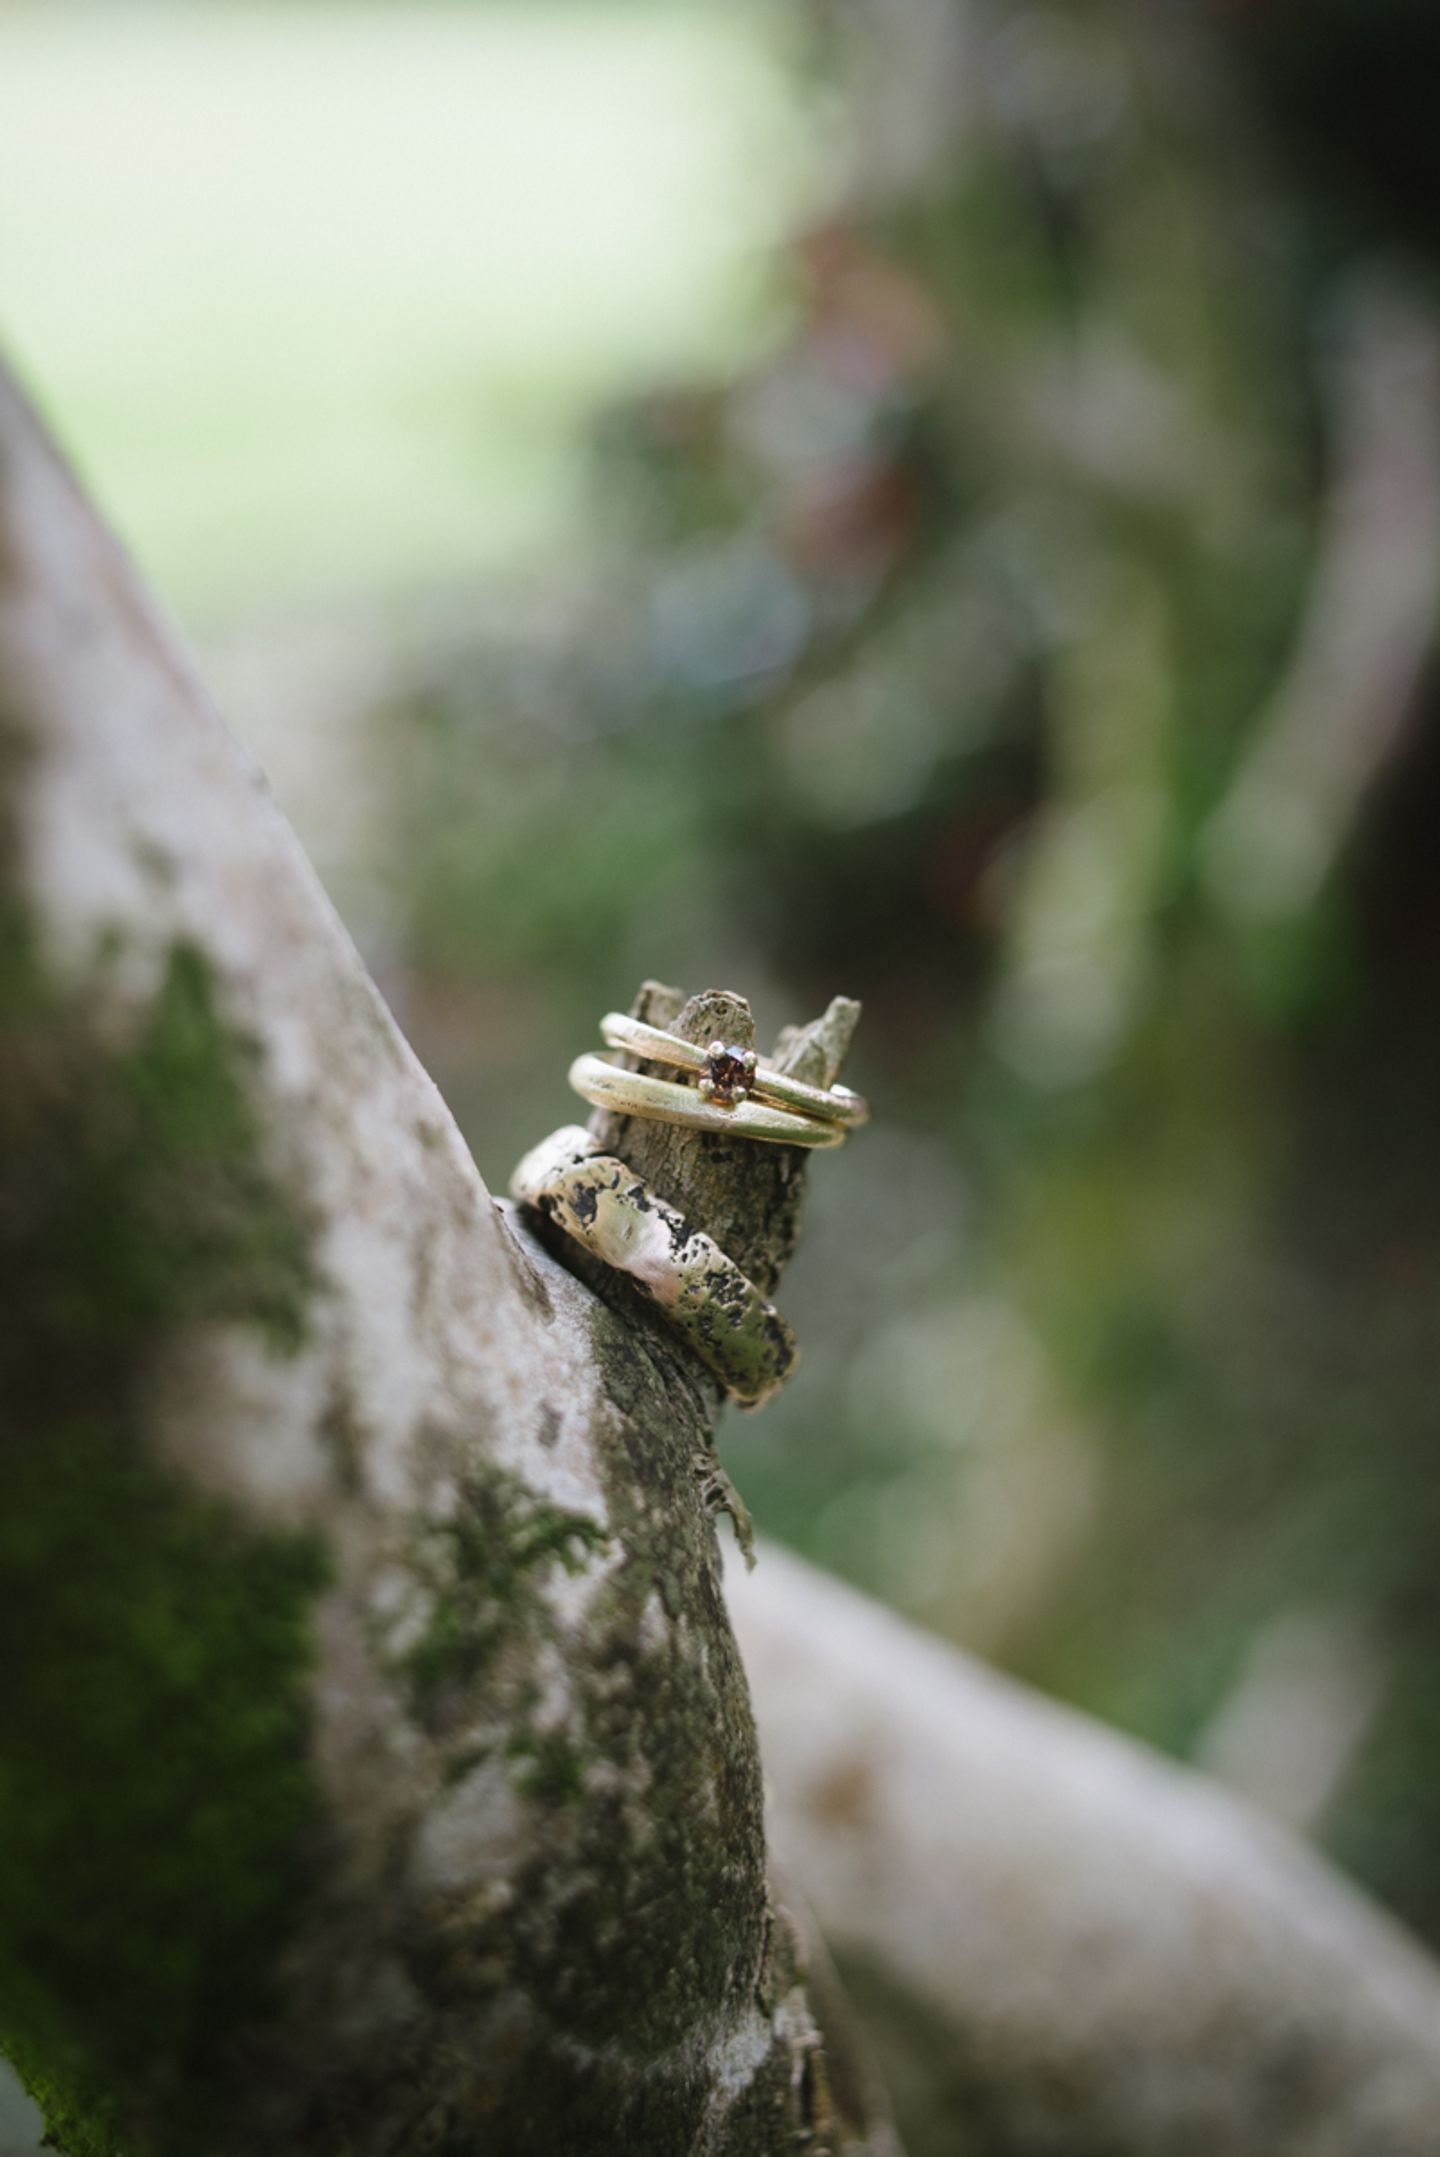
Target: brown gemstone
[726,1075]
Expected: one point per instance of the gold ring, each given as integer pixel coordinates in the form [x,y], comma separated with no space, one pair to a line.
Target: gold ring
[730,1076]
[615,1214]
[634,1093]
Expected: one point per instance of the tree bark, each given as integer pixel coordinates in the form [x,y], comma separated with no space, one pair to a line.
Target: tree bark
[377,1771]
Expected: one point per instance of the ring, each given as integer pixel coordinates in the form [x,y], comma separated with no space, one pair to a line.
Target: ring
[634,1093]
[615,1214]
[730,1076]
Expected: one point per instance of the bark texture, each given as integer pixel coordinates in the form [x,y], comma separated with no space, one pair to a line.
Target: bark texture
[377,1771]
[1061,1943]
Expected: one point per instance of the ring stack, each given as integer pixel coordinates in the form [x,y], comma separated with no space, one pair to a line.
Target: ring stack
[601,1204]
[733,1091]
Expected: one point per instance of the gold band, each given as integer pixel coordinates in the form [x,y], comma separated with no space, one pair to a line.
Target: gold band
[833,1104]
[634,1093]
[615,1214]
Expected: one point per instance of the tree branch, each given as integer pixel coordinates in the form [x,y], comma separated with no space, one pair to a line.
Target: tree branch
[376,1767]
[1061,1942]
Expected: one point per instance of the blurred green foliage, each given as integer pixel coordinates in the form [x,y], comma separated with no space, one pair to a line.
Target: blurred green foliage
[321,290]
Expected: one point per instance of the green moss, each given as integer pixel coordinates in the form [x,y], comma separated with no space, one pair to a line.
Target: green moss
[489,1559]
[143,1200]
[635,1953]
[156,1808]
[650,1899]
[543,2097]
[155,1801]
[551,1770]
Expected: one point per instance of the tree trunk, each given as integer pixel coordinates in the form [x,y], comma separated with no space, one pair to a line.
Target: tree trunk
[377,1771]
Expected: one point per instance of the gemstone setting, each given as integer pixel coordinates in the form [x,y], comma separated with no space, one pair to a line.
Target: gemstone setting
[727,1075]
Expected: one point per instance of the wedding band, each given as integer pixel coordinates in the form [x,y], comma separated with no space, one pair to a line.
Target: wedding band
[733,1076]
[635,1093]
[613,1213]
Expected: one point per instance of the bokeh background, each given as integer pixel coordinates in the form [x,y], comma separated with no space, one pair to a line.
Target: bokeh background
[934,499]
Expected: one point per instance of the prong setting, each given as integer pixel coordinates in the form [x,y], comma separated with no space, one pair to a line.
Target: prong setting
[728,1075]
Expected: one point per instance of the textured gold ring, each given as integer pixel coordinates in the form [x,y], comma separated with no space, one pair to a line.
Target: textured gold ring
[613,1213]
[635,1093]
[730,1076]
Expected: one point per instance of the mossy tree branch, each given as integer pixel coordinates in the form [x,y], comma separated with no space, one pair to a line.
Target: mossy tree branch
[377,1771]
